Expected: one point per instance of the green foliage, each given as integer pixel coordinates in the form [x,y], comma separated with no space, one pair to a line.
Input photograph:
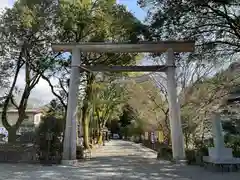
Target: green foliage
[127,116]
[92,21]
[164,152]
[148,104]
[204,97]
[5,74]
[54,108]
[213,24]
[230,126]
[107,102]
[80,152]
[26,32]
[233,141]
[50,126]
[99,21]
[130,122]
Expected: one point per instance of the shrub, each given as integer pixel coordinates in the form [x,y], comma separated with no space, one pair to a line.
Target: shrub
[233,141]
[191,156]
[49,139]
[165,152]
[195,156]
[80,151]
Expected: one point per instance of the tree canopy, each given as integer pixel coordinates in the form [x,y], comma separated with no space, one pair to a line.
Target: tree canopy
[214,24]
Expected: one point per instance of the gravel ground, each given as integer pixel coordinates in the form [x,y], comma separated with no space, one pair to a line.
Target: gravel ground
[117,160]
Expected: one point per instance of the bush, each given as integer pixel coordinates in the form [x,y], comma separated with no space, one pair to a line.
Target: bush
[164,152]
[195,156]
[80,151]
[191,156]
[233,142]
[49,139]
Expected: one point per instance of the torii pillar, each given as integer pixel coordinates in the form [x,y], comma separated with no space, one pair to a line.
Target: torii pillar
[178,150]
[70,135]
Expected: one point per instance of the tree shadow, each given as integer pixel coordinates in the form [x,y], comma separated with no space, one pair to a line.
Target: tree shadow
[112,165]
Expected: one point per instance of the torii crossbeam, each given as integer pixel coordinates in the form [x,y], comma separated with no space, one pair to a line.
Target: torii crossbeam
[70,136]
[160,68]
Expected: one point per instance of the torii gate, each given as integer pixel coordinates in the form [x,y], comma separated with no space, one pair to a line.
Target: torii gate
[70,138]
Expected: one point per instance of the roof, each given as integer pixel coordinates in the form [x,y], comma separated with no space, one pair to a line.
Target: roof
[35,111]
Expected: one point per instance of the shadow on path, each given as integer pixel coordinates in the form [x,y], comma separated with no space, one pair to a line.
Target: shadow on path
[117,160]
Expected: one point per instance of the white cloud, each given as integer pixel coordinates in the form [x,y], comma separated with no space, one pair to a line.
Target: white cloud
[41,92]
[6,3]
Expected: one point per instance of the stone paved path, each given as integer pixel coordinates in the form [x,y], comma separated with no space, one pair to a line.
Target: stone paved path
[117,160]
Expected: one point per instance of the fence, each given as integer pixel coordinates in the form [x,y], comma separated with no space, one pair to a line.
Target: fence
[15,153]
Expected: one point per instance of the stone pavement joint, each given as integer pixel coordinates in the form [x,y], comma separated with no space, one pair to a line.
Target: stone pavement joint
[117,160]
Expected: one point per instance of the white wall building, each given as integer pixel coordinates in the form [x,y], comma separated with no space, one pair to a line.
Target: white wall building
[31,121]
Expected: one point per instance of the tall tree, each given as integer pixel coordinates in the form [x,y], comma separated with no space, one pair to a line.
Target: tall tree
[97,21]
[127,116]
[205,97]
[214,24]
[107,103]
[145,100]
[26,32]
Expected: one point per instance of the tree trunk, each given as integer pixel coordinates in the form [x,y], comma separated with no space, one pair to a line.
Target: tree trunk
[100,133]
[86,133]
[12,135]
[85,110]
[100,137]
[85,124]
[186,138]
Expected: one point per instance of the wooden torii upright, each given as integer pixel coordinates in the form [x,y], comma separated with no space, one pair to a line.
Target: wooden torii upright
[70,138]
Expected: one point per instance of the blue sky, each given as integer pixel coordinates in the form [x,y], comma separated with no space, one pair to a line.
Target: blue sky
[134,8]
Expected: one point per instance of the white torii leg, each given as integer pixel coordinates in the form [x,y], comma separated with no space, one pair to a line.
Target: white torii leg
[70,136]
[174,110]
[217,132]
